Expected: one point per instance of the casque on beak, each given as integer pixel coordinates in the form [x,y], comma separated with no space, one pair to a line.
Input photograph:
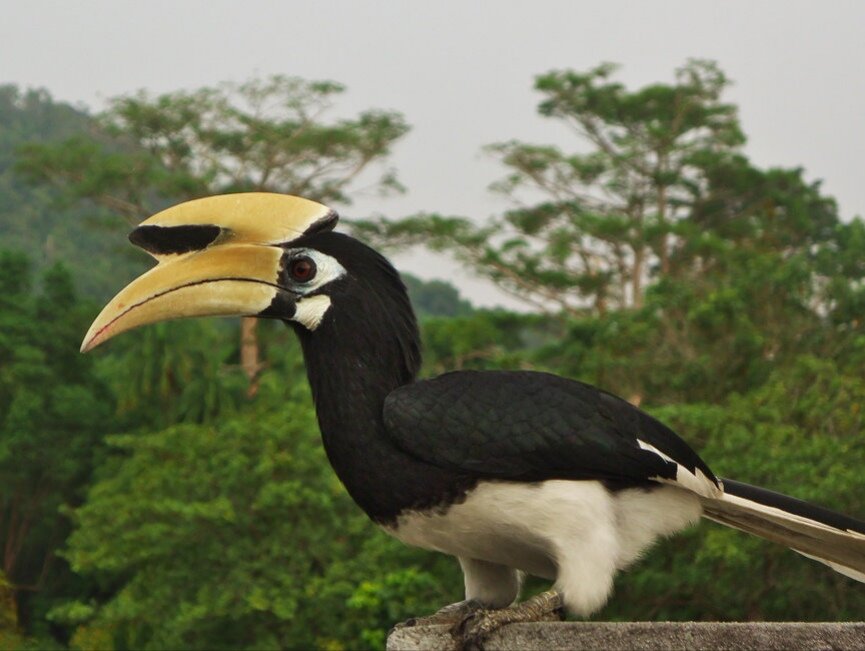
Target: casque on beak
[217,256]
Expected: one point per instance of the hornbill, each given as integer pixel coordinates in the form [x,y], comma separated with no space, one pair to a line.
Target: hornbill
[512,472]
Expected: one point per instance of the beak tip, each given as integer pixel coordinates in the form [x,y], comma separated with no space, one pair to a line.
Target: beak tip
[90,342]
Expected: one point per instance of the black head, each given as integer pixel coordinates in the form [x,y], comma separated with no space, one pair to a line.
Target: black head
[346,301]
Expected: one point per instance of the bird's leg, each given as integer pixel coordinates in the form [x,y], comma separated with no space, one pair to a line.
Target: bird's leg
[475,627]
[451,614]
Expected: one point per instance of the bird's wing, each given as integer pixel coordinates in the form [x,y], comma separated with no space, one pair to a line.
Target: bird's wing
[535,426]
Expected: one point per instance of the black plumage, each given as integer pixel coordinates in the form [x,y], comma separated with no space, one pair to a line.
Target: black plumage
[531,426]
[363,350]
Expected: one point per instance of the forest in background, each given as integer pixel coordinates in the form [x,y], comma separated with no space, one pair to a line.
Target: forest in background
[170,491]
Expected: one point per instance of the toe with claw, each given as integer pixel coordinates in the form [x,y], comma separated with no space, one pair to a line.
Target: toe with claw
[475,627]
[451,614]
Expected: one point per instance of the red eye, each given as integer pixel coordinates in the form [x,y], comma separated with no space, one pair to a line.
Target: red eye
[302,270]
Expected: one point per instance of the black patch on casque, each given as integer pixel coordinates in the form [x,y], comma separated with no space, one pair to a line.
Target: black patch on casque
[326,223]
[162,240]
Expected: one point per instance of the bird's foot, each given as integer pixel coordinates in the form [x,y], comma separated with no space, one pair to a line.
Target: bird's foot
[474,628]
[451,614]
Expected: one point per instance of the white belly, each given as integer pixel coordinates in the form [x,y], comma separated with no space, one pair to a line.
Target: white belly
[571,531]
[509,523]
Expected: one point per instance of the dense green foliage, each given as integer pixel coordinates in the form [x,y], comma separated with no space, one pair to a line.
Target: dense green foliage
[52,420]
[251,505]
[799,433]
[149,502]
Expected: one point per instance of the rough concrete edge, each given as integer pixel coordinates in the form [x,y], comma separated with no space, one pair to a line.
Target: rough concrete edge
[644,636]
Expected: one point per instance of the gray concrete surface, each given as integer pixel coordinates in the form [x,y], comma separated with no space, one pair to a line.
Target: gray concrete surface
[644,636]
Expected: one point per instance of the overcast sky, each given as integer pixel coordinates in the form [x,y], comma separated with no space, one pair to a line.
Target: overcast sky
[462,73]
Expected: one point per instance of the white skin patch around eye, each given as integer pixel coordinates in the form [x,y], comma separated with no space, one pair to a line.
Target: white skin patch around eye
[310,311]
[327,269]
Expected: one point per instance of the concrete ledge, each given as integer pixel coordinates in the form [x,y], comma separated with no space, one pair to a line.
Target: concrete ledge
[640,636]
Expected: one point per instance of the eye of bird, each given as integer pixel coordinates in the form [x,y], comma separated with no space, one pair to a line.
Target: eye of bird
[302,269]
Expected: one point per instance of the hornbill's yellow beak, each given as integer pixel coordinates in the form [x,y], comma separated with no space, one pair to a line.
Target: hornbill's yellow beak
[218,256]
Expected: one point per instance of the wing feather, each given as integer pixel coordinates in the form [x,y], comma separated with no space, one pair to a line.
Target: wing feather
[537,426]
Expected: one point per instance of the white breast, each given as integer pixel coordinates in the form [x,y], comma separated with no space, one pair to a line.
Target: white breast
[575,532]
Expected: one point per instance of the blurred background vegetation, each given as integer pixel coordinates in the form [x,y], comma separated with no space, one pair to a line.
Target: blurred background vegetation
[170,491]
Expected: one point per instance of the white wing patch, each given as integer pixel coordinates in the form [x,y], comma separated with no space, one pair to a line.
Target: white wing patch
[694,481]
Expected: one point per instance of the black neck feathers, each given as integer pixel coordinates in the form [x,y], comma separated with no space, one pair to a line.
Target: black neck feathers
[371,320]
[366,346]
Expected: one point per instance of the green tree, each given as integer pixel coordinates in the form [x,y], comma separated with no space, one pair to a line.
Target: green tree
[435,298]
[267,134]
[263,135]
[801,434]
[35,218]
[764,271]
[681,271]
[485,339]
[175,372]
[53,415]
[237,536]
[590,226]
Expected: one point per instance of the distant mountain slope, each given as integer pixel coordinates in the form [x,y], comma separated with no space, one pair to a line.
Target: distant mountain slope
[436,297]
[34,219]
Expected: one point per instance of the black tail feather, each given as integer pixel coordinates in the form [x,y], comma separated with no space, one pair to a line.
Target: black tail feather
[832,538]
[793,505]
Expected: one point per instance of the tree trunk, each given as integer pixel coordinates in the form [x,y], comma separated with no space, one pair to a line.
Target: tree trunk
[662,221]
[601,302]
[637,277]
[16,533]
[249,353]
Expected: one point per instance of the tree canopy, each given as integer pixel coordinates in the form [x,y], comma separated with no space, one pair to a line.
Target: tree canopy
[265,135]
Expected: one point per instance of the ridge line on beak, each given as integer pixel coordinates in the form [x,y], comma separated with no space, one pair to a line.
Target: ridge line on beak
[225,280]
[84,347]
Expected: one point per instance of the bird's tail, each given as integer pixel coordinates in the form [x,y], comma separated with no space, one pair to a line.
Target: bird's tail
[821,534]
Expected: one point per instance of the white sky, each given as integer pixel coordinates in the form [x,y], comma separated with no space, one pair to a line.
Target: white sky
[462,74]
